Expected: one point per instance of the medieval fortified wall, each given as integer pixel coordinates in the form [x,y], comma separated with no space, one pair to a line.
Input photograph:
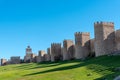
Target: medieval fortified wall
[106,42]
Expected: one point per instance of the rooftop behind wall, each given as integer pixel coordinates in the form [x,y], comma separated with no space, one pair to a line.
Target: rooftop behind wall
[41,53]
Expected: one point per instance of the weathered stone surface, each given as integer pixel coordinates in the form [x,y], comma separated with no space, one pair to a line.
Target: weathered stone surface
[41,57]
[29,57]
[92,48]
[117,39]
[15,60]
[82,45]
[48,56]
[68,50]
[56,52]
[106,42]
[104,38]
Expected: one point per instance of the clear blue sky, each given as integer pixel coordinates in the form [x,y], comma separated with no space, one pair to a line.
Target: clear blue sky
[38,23]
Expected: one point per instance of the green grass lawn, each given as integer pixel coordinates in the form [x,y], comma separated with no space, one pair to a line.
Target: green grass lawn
[100,68]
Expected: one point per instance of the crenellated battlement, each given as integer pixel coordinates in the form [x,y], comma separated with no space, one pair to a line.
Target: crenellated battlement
[85,33]
[77,33]
[55,44]
[55,51]
[82,44]
[106,41]
[104,38]
[82,33]
[104,23]
[67,40]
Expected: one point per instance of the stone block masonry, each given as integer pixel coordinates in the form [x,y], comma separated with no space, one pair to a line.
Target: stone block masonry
[82,45]
[117,40]
[105,42]
[56,53]
[15,60]
[92,48]
[40,57]
[48,57]
[104,38]
[68,50]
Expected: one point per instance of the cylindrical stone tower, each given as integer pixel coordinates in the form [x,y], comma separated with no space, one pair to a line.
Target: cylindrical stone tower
[82,45]
[55,52]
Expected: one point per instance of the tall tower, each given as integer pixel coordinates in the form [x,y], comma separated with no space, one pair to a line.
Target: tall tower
[48,51]
[28,50]
[82,45]
[55,52]
[68,49]
[117,40]
[48,54]
[28,57]
[104,38]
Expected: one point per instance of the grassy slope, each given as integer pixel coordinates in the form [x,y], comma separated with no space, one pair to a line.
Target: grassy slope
[91,69]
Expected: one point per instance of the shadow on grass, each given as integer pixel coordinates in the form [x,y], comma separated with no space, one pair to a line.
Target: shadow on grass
[24,66]
[57,69]
[111,76]
[43,64]
[100,65]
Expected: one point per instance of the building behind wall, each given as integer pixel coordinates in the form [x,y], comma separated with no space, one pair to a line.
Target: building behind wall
[82,45]
[41,57]
[46,56]
[68,50]
[104,38]
[29,57]
[56,52]
[33,57]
